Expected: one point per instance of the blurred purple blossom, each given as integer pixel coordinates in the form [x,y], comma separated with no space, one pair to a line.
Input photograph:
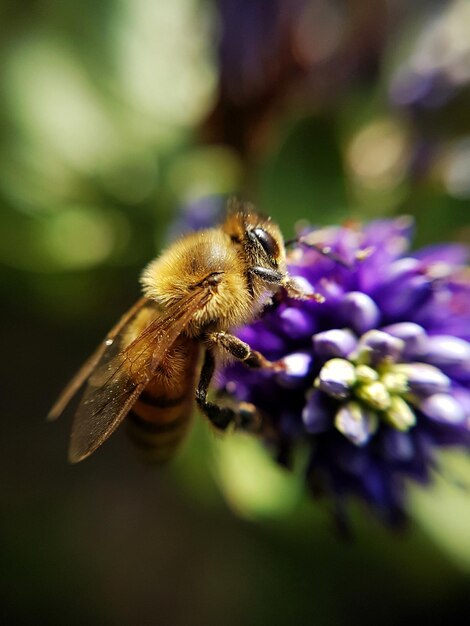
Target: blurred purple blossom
[437,67]
[255,43]
[431,85]
[197,214]
[275,51]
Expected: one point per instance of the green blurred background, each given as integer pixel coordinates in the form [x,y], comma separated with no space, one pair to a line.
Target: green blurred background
[114,114]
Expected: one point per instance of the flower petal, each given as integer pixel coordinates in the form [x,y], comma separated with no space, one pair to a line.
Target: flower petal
[423,379]
[374,395]
[442,407]
[270,343]
[412,334]
[334,343]
[336,378]
[296,323]
[400,415]
[359,311]
[447,351]
[405,288]
[377,346]
[297,366]
[356,423]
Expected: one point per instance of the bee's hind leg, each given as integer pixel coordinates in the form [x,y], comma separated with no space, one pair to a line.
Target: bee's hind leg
[221,417]
[244,416]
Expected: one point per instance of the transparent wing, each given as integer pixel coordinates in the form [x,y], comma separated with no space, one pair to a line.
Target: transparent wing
[122,373]
[87,368]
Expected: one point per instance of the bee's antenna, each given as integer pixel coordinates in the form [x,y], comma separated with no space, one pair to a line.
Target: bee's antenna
[323,250]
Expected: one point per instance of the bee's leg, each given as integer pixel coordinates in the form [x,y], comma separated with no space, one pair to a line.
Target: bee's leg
[242,351]
[221,417]
[268,275]
[296,290]
[244,416]
[291,284]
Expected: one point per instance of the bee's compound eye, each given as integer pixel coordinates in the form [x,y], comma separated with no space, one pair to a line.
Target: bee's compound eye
[267,241]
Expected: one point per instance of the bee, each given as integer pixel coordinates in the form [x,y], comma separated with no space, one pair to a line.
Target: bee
[199,289]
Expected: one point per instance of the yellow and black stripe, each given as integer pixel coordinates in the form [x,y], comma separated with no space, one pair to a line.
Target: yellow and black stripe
[157,425]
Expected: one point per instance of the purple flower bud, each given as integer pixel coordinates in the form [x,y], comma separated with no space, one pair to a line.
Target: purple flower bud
[296,323]
[406,298]
[462,396]
[334,343]
[402,269]
[336,378]
[400,415]
[261,338]
[412,334]
[356,423]
[360,311]
[448,351]
[366,374]
[442,407]
[297,367]
[378,346]
[375,395]
[395,382]
[404,289]
[316,414]
[423,379]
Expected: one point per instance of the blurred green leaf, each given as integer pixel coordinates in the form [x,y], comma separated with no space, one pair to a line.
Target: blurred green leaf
[443,510]
[304,178]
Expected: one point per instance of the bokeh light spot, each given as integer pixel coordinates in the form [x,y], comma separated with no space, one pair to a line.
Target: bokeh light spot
[457,169]
[377,155]
[79,237]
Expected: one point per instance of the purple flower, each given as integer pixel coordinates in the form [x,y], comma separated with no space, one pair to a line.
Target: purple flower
[431,85]
[435,71]
[377,377]
[255,41]
[272,52]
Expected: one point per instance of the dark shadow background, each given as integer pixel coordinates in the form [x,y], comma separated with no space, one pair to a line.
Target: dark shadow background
[113,116]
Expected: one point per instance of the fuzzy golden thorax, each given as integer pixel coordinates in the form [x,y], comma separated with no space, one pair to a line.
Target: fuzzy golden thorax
[243,242]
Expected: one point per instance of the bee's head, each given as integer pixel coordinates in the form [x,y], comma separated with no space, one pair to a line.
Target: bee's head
[259,237]
[263,251]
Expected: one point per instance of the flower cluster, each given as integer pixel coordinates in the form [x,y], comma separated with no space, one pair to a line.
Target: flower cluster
[431,87]
[377,377]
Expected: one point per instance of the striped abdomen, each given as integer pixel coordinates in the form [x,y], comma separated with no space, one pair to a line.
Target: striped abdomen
[160,419]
